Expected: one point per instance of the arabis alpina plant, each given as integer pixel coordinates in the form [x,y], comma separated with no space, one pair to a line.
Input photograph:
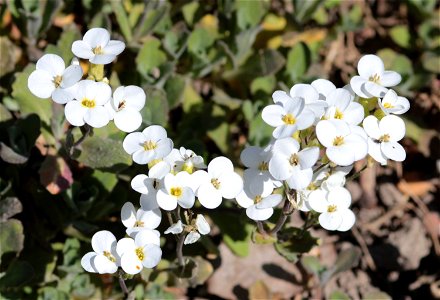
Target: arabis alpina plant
[393,104]
[176,191]
[52,79]
[104,259]
[136,221]
[97,47]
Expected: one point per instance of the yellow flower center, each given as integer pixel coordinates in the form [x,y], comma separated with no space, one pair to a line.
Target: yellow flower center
[140,253]
[339,114]
[331,208]
[375,78]
[257,199]
[97,50]
[294,160]
[188,167]
[288,119]
[215,183]
[263,166]
[338,141]
[385,138]
[57,80]
[109,256]
[89,103]
[388,105]
[312,187]
[149,145]
[139,224]
[176,191]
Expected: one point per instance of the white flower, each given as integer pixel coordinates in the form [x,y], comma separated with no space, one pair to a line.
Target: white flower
[150,144]
[393,104]
[199,226]
[341,106]
[383,138]
[311,98]
[104,259]
[125,107]
[344,144]
[258,201]
[373,80]
[175,228]
[287,115]
[185,160]
[141,219]
[176,190]
[97,47]
[219,182]
[88,105]
[324,87]
[143,251]
[149,185]
[334,208]
[52,79]
[256,159]
[289,164]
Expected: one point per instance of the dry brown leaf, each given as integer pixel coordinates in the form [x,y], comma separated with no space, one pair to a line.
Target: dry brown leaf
[259,290]
[309,36]
[416,188]
[61,21]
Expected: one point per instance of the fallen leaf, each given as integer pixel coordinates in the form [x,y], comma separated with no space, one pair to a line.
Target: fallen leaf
[55,174]
[416,188]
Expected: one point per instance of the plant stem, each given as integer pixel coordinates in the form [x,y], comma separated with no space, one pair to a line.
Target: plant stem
[179,250]
[261,228]
[122,284]
[87,131]
[357,174]
[282,219]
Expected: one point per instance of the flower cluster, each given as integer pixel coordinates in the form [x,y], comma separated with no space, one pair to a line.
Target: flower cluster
[89,101]
[338,123]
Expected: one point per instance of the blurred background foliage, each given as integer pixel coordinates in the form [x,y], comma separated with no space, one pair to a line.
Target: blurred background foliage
[208,68]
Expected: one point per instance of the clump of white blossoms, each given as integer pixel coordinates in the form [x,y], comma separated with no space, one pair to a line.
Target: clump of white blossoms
[320,132]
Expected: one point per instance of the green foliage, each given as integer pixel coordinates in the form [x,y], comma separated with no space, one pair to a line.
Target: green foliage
[293,242]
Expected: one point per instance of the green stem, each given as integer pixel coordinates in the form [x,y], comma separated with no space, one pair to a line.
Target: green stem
[96,72]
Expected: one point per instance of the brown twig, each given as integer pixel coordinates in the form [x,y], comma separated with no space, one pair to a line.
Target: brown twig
[364,247]
[122,284]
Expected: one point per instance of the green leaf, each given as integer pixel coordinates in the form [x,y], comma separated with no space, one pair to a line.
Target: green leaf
[104,154]
[401,36]
[377,295]
[189,11]
[175,87]
[10,156]
[64,44]
[298,61]
[244,41]
[108,180]
[305,9]
[150,56]
[9,57]
[23,134]
[122,18]
[199,41]
[312,264]
[220,134]
[294,242]
[266,84]
[262,239]
[339,295]
[431,62]
[156,109]
[18,273]
[346,259]
[11,236]
[396,62]
[30,104]
[259,132]
[249,13]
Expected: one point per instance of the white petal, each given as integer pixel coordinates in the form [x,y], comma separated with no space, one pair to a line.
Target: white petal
[130,263]
[191,238]
[357,84]
[220,165]
[306,119]
[143,157]
[175,228]
[294,105]
[354,113]
[285,147]
[326,132]
[102,59]
[209,196]
[259,214]
[280,97]
[96,117]
[187,199]
[244,200]
[358,145]
[308,157]
[340,197]
[75,113]
[71,76]
[133,142]
[404,104]
[300,179]
[150,218]
[371,127]
[134,97]
[155,132]
[269,201]
[390,78]
[370,65]
[102,241]
[51,63]
[272,115]
[40,83]
[166,201]
[142,184]
[375,152]
[317,201]
[342,155]
[305,91]
[147,236]
[153,255]
[373,89]
[97,37]
[348,220]
[124,246]
[330,221]
[340,98]
[103,93]
[128,214]
[159,170]
[231,184]
[62,96]
[284,131]
[87,262]
[324,87]
[280,168]
[149,201]
[393,126]
[251,156]
[114,47]
[103,265]
[202,226]
[393,151]
[82,50]
[128,119]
